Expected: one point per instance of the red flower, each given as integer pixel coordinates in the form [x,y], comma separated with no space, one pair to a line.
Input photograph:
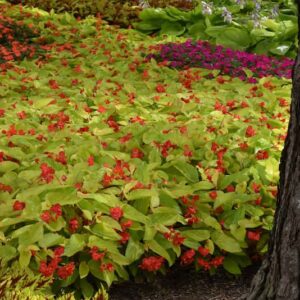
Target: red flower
[213,195]
[46,216]
[178,239]
[125,237]
[46,270]
[54,262]
[283,102]
[96,255]
[61,158]
[107,180]
[101,109]
[125,138]
[126,224]
[113,124]
[56,209]
[203,251]
[21,115]
[91,161]
[214,147]
[230,188]
[107,267]
[253,235]
[187,152]
[262,154]
[160,88]
[19,205]
[116,213]
[73,224]
[250,131]
[203,263]
[258,201]
[243,146]
[188,257]
[152,263]
[53,84]
[136,153]
[58,251]
[47,173]
[217,261]
[256,187]
[66,271]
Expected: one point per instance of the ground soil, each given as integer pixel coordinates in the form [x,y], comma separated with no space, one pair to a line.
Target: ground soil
[187,284]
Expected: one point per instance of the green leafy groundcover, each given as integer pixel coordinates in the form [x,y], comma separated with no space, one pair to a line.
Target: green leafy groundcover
[273,35]
[113,166]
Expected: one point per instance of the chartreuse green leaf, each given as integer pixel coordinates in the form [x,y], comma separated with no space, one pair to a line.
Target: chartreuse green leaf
[75,244]
[187,170]
[198,235]
[238,232]
[133,214]
[51,239]
[106,232]
[8,166]
[134,250]
[29,234]
[225,242]
[158,249]
[66,197]
[24,258]
[150,232]
[86,288]
[203,186]
[7,252]
[119,259]
[103,244]
[83,269]
[71,279]
[231,265]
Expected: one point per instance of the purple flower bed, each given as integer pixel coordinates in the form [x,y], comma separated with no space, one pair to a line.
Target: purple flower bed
[202,54]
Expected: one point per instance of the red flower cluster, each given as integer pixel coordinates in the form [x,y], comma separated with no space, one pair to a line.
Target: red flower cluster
[213,195]
[262,154]
[250,131]
[136,153]
[73,225]
[118,172]
[15,38]
[113,124]
[253,235]
[207,265]
[52,214]
[5,188]
[152,263]
[116,213]
[188,257]
[165,147]
[96,255]
[107,267]
[47,173]
[174,236]
[18,205]
[63,272]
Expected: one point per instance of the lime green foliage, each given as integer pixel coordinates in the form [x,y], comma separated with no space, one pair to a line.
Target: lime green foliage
[275,36]
[20,285]
[115,11]
[128,164]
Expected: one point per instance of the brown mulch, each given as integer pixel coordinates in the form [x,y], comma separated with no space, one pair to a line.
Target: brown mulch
[187,284]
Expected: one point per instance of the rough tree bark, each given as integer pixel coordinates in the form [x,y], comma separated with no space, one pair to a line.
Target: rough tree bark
[279,276]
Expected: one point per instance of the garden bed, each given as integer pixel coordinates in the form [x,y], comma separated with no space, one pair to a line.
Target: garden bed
[186,284]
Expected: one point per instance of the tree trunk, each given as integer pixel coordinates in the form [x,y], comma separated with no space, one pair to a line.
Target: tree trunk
[279,276]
